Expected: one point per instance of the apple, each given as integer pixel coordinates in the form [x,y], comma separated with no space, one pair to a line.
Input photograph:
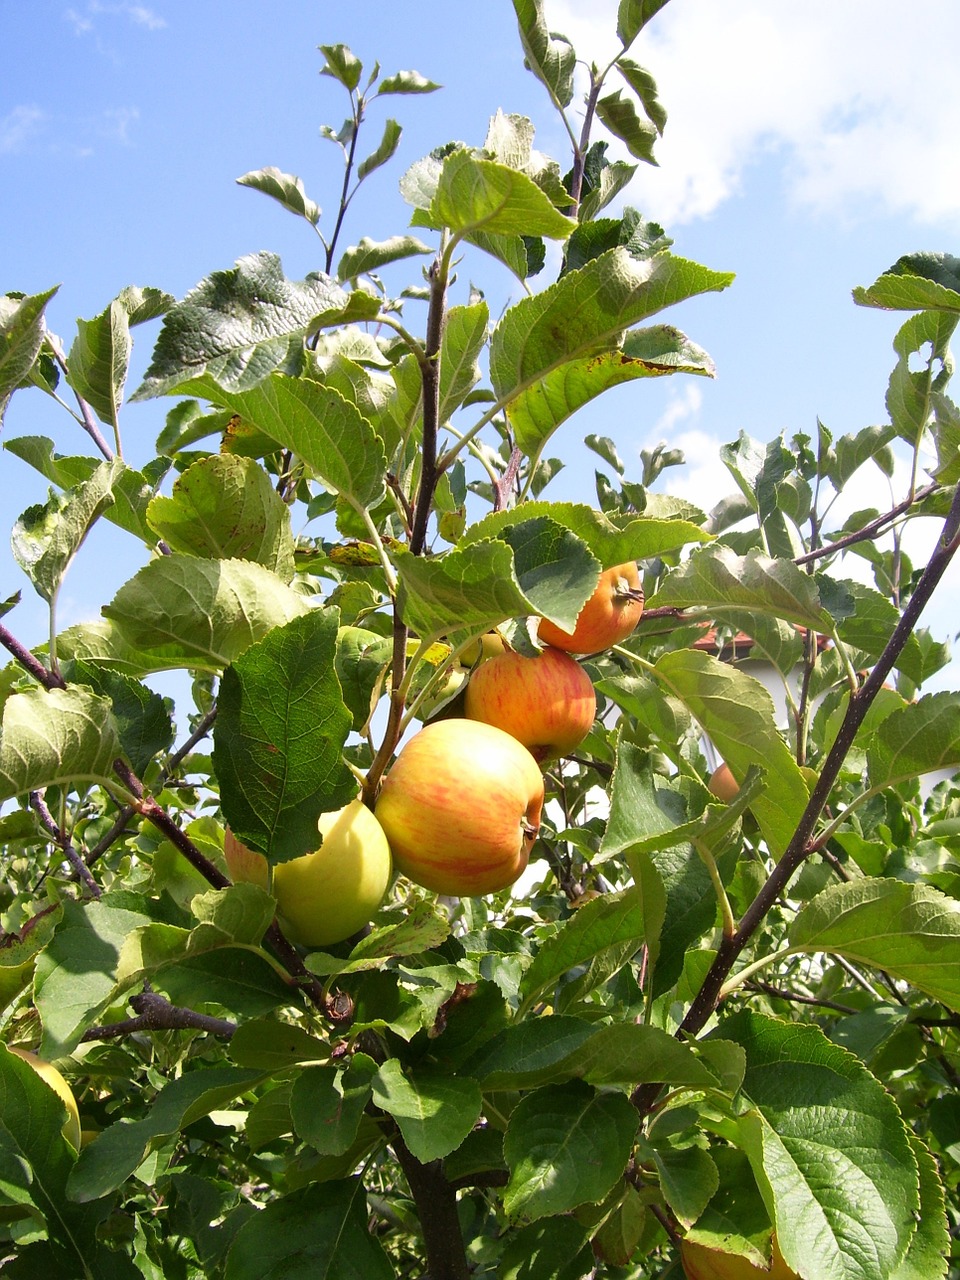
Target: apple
[723,784]
[486,646]
[609,616]
[325,896]
[461,807]
[49,1074]
[547,702]
[701,1263]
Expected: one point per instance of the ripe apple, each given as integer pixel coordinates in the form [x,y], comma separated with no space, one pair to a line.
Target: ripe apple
[701,1263]
[461,807]
[723,784]
[548,702]
[325,896]
[49,1074]
[609,616]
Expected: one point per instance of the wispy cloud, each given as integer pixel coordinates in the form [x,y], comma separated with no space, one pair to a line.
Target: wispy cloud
[18,127]
[83,20]
[837,93]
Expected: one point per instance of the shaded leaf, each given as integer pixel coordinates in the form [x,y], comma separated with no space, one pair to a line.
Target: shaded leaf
[434,1111]
[99,358]
[22,330]
[550,56]
[915,282]
[56,737]
[371,255]
[285,188]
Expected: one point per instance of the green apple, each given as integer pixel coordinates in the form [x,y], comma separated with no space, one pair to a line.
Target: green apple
[546,702]
[325,896]
[49,1074]
[461,807]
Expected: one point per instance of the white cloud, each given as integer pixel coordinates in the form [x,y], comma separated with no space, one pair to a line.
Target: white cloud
[841,92]
[18,126]
[83,21]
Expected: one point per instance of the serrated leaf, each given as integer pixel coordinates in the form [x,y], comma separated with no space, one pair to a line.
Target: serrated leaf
[370,255]
[550,56]
[633,16]
[279,736]
[99,358]
[328,1102]
[56,737]
[184,611]
[434,1111]
[464,338]
[689,1179]
[225,507]
[645,87]
[909,930]
[737,713]
[620,116]
[829,1149]
[419,929]
[565,1145]
[915,282]
[320,1230]
[132,489]
[144,725]
[22,330]
[930,1244]
[387,147]
[285,188]
[554,1249]
[319,425]
[583,317]
[238,326]
[46,537]
[406,82]
[271,1046]
[870,625]
[918,738]
[107,1162]
[475,195]
[342,64]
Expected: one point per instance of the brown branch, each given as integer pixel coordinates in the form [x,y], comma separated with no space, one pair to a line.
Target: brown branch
[157,1014]
[430,379]
[868,531]
[436,1201]
[31,664]
[47,821]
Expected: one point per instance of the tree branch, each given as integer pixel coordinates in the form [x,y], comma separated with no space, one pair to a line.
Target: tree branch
[157,1014]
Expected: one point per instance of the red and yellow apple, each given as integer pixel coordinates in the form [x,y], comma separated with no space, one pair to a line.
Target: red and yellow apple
[547,702]
[49,1074]
[461,807]
[701,1263]
[609,616]
[325,896]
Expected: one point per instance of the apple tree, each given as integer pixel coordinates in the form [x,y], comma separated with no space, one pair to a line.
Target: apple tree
[727,1022]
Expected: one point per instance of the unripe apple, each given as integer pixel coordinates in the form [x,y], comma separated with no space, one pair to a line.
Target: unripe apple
[489,645]
[548,702]
[49,1074]
[701,1263]
[723,784]
[609,616]
[461,807]
[328,895]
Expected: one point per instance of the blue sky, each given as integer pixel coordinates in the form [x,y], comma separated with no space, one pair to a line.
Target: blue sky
[807,148]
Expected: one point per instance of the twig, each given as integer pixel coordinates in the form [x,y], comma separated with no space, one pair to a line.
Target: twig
[157,1014]
[38,804]
[31,664]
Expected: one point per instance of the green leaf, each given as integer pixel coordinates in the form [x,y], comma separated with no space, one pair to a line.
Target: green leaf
[620,116]
[870,625]
[144,724]
[918,738]
[716,579]
[46,537]
[371,255]
[318,1231]
[22,330]
[225,507]
[327,1103]
[550,56]
[464,338]
[238,326]
[99,358]
[930,1244]
[475,195]
[924,341]
[435,1111]
[387,147]
[829,1150]
[319,425]
[419,928]
[184,611]
[915,282]
[113,1156]
[279,736]
[56,737]
[342,64]
[284,188]
[909,930]
[584,316]
[737,713]
[132,489]
[406,82]
[35,1164]
[555,1249]
[271,1046]
[76,973]
[645,87]
[240,913]
[565,1145]
[689,1179]
[633,16]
